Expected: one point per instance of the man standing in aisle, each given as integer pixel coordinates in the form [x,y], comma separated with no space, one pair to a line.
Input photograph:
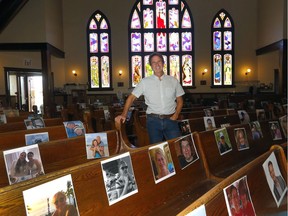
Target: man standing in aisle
[163,96]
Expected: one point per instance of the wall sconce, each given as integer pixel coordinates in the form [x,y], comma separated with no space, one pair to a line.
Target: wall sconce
[203,82]
[74,73]
[248,71]
[120,72]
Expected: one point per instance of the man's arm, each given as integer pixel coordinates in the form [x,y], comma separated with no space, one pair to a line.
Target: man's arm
[128,103]
[179,105]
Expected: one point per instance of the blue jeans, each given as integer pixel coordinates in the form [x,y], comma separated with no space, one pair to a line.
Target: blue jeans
[161,129]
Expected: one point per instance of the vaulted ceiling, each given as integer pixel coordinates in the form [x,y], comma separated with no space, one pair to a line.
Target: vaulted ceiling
[8,10]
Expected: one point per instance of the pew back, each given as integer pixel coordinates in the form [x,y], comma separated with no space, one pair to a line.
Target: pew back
[162,198]
[261,196]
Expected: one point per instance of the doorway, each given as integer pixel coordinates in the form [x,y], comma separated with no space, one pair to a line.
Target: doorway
[24,88]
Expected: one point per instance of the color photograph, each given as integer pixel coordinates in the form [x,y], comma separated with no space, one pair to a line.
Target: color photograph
[238,198]
[209,123]
[161,162]
[23,163]
[223,141]
[186,151]
[36,138]
[74,128]
[256,130]
[241,139]
[96,145]
[56,197]
[184,127]
[275,180]
[119,179]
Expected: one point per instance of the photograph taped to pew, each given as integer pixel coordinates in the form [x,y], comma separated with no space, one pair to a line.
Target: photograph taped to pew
[56,197]
[184,127]
[119,179]
[208,112]
[256,130]
[209,123]
[200,211]
[74,128]
[283,123]
[241,139]
[36,138]
[274,179]
[238,199]
[34,123]
[3,119]
[11,112]
[96,145]
[161,162]
[186,151]
[275,130]
[23,163]
[223,141]
[243,116]
[260,113]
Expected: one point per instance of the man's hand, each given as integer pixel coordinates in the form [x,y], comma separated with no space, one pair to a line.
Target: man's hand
[120,119]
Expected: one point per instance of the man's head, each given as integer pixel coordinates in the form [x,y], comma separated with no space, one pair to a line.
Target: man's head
[271,170]
[156,61]
[186,150]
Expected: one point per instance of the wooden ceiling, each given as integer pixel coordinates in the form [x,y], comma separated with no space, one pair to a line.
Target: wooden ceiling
[8,10]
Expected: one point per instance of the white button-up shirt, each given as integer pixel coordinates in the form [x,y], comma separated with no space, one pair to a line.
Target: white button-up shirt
[160,94]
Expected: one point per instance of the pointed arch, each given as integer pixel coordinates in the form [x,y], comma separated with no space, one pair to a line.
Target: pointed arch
[164,26]
[99,52]
[222,50]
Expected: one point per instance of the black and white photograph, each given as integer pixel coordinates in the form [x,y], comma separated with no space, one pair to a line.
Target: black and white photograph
[119,179]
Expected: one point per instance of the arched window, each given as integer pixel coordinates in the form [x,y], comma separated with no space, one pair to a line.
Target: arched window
[164,26]
[99,52]
[222,33]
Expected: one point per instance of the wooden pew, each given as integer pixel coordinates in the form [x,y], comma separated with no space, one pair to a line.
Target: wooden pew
[165,198]
[225,165]
[21,125]
[64,153]
[261,196]
[16,139]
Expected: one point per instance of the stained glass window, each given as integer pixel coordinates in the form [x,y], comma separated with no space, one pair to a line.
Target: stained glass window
[99,52]
[164,26]
[222,50]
